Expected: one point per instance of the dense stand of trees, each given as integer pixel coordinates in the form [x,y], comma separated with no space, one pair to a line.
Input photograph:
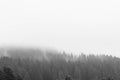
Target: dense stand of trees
[7,74]
[60,67]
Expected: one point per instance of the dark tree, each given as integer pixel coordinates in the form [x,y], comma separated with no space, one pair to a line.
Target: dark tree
[68,77]
[8,74]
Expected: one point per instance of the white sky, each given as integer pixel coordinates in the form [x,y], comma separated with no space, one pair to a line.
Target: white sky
[89,26]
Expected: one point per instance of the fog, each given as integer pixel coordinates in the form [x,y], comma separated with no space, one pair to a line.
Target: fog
[65,25]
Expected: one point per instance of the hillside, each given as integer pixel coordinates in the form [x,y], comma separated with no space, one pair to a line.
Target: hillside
[38,64]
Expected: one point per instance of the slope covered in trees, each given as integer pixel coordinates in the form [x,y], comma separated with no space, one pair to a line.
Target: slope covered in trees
[32,64]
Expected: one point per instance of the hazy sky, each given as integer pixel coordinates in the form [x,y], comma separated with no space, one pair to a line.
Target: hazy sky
[89,26]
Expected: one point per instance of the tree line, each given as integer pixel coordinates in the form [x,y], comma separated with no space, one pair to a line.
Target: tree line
[61,67]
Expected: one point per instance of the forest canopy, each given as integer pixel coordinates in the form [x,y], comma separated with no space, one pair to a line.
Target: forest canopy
[35,64]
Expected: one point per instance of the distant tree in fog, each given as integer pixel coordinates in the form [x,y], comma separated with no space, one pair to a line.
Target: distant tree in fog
[84,67]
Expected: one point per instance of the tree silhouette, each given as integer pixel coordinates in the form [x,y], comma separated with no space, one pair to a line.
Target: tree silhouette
[68,77]
[8,74]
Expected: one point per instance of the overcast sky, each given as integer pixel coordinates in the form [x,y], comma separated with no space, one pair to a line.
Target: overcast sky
[88,26]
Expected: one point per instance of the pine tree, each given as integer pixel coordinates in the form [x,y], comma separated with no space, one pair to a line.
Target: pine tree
[8,74]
